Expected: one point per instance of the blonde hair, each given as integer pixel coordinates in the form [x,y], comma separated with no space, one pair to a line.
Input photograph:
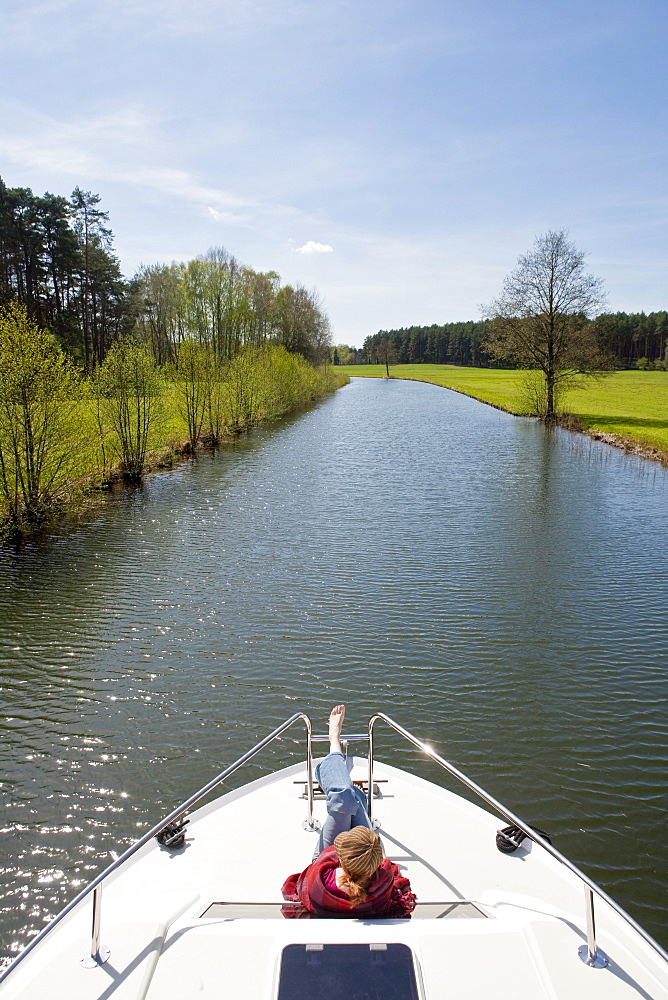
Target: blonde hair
[361,853]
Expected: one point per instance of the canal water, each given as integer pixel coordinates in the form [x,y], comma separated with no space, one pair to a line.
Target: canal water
[499,590]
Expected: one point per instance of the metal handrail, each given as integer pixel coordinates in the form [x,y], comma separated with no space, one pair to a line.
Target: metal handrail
[588,953]
[99,953]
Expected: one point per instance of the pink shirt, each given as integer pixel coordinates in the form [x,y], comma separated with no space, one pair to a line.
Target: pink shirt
[328,878]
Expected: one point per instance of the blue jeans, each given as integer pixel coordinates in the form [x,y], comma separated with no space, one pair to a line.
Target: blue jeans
[346,804]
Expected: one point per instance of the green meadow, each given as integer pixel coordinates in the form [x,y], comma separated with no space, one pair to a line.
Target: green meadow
[631,405]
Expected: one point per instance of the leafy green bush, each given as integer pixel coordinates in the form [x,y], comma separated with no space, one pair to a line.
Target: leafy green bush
[129,386]
[40,391]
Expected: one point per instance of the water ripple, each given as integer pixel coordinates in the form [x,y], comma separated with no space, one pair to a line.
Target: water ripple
[499,590]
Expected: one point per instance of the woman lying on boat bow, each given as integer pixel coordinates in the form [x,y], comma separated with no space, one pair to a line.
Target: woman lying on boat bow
[350,875]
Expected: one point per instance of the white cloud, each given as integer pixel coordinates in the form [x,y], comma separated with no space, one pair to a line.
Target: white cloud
[312,247]
[128,146]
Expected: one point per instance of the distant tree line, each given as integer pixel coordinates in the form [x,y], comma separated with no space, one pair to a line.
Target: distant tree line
[57,260]
[218,301]
[449,344]
[632,339]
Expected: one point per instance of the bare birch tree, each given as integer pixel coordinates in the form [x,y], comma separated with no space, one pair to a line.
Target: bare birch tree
[541,319]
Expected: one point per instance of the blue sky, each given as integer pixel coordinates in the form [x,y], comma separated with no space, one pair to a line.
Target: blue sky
[398,156]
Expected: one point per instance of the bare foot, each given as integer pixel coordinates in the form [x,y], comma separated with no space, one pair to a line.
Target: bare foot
[336,717]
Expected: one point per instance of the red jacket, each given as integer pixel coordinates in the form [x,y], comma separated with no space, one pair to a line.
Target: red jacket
[388,893]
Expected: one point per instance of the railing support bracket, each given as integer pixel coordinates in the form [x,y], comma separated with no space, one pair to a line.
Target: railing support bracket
[92,961]
[312,827]
[595,961]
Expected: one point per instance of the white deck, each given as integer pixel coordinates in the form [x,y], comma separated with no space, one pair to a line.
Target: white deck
[242,846]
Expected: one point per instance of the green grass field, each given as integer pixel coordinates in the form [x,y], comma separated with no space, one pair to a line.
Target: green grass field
[631,405]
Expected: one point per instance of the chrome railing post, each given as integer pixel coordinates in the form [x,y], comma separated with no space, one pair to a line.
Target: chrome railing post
[588,952]
[309,769]
[99,953]
[369,790]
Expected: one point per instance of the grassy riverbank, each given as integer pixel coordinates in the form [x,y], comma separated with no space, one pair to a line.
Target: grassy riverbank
[626,408]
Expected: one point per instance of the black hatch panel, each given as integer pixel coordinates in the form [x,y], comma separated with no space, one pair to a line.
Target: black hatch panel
[347,972]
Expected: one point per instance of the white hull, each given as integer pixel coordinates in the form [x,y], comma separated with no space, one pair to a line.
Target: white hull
[520,940]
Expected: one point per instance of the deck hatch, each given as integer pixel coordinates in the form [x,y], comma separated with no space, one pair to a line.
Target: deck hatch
[332,971]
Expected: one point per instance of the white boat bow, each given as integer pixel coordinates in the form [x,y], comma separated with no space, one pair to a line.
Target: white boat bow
[205,919]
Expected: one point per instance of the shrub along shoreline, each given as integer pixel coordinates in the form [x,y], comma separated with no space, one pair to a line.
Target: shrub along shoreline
[65,436]
[626,409]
